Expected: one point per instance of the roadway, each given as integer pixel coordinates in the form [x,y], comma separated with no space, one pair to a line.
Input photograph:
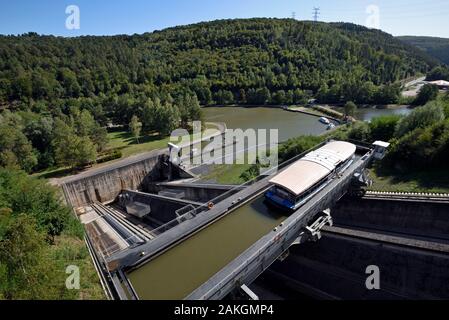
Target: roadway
[413,87]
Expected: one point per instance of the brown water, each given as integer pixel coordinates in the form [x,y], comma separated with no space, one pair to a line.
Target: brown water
[289,124]
[182,269]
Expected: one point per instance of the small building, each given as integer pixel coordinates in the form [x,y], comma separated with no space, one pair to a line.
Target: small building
[380,149]
[441,84]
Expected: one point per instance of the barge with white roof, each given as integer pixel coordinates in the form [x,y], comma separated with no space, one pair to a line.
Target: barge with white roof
[302,180]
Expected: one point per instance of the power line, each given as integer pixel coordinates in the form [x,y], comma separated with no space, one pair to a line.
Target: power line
[316,13]
[293,15]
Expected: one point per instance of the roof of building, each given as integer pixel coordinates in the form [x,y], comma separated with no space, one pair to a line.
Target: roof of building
[313,167]
[381,144]
[440,83]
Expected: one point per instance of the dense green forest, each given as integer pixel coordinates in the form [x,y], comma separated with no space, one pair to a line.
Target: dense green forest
[57,94]
[436,47]
[39,238]
[248,61]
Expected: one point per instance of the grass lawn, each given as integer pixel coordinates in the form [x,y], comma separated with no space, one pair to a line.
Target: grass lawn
[433,181]
[68,251]
[118,140]
[226,174]
[124,141]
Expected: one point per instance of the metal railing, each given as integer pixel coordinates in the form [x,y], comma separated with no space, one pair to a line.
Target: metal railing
[251,182]
[278,242]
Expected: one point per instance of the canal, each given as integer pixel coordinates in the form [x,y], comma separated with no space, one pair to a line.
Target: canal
[289,124]
[182,269]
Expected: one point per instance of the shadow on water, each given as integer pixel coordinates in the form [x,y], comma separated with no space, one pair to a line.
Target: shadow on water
[266,211]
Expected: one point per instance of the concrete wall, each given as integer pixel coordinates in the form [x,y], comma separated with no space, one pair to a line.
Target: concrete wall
[194,192]
[162,209]
[106,186]
[414,218]
[335,267]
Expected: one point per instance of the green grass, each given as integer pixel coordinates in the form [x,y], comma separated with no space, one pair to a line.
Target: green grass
[124,141]
[118,140]
[432,181]
[69,250]
[226,174]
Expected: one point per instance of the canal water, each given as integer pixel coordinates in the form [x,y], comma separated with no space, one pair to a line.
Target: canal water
[289,124]
[182,269]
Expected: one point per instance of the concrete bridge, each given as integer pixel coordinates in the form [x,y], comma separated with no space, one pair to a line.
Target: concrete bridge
[219,248]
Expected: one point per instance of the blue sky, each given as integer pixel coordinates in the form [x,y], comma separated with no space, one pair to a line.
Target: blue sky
[101,17]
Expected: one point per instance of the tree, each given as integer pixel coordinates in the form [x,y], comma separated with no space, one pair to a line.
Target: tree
[427,93]
[15,149]
[438,73]
[383,128]
[420,117]
[360,131]
[40,133]
[350,109]
[31,215]
[70,149]
[85,151]
[223,97]
[421,148]
[296,146]
[387,94]
[136,127]
[168,117]
[22,256]
[86,126]
[279,97]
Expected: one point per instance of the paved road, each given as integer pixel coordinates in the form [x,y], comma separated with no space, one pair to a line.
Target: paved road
[414,82]
[413,87]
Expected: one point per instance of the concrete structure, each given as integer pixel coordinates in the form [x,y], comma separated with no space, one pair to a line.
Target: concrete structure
[418,218]
[335,267]
[198,192]
[255,259]
[106,185]
[406,238]
[163,209]
[441,84]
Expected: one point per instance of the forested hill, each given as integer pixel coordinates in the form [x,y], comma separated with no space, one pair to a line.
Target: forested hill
[436,47]
[246,61]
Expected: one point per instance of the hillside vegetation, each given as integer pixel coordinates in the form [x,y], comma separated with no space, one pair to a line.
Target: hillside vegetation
[214,60]
[57,94]
[436,47]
